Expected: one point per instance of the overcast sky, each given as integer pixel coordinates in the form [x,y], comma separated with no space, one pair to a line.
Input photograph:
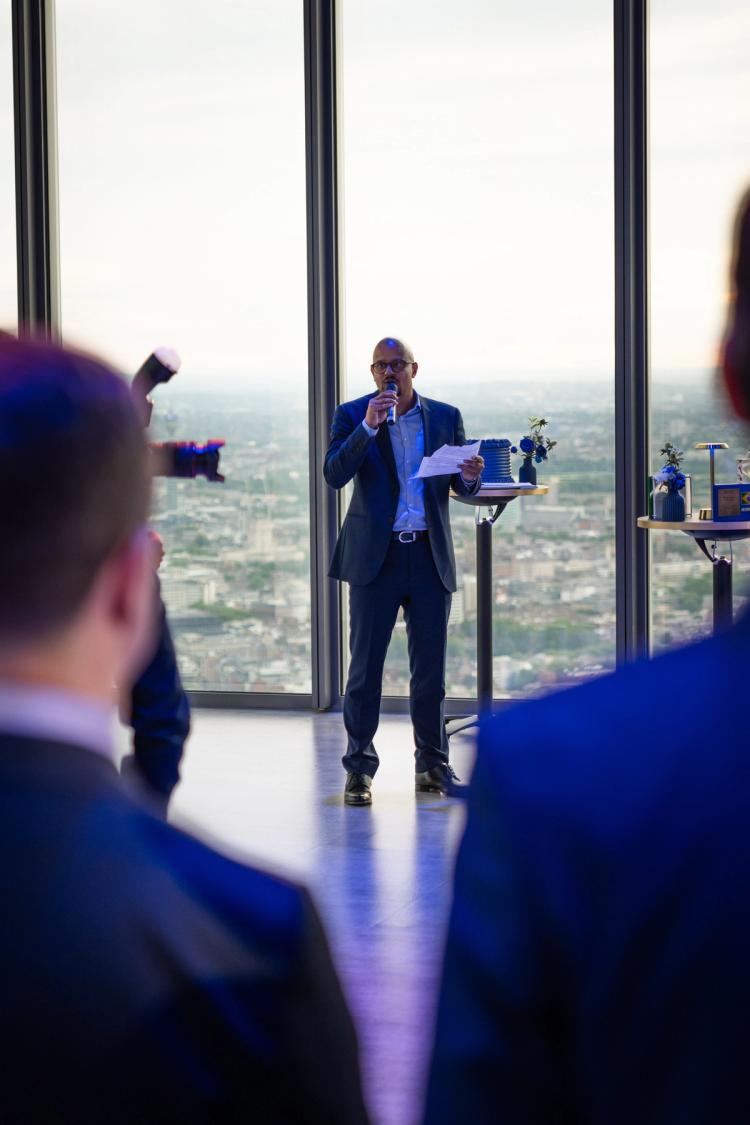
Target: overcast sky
[477,181]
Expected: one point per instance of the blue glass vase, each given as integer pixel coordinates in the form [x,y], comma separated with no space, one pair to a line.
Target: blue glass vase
[527,472]
[673,508]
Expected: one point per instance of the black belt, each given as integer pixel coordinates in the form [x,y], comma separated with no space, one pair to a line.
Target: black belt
[408,536]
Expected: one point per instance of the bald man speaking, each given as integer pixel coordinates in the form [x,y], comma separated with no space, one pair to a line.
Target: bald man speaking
[395,549]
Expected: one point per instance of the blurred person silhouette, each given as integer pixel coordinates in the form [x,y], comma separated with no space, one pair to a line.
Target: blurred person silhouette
[145,977]
[156,706]
[596,966]
[395,550]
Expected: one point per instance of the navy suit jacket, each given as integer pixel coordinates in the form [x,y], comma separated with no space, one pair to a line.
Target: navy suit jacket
[598,961]
[368,526]
[147,978]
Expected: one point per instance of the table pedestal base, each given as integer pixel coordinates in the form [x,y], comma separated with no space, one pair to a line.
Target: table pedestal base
[722,595]
[714,532]
[496,499]
[722,587]
[484,524]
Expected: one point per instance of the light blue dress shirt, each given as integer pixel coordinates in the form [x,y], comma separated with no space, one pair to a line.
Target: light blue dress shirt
[407,442]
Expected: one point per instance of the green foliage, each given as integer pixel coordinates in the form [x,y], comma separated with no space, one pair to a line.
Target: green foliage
[694,591]
[672,455]
[199,544]
[534,443]
[517,638]
[536,425]
[223,612]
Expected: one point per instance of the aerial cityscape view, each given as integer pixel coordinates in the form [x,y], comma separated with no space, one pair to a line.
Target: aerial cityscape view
[236,572]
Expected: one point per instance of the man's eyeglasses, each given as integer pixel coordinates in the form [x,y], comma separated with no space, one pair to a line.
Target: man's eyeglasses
[396,366]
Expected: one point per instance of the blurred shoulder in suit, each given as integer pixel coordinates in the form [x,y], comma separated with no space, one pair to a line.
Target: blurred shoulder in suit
[596,966]
[146,977]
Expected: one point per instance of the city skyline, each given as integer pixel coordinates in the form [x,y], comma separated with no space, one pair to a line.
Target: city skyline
[477,219]
[236,573]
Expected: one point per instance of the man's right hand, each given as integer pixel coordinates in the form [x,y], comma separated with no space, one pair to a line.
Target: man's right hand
[378,408]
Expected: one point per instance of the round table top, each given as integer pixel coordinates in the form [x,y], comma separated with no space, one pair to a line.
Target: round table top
[700,529]
[495,493]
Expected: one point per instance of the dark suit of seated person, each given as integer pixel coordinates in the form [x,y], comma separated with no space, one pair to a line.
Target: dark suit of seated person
[145,977]
[597,963]
[159,712]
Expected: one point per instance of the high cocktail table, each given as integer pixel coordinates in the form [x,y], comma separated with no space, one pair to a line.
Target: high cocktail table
[714,532]
[495,499]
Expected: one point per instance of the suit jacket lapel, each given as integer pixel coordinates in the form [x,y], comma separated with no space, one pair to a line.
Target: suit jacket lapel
[386,450]
[427,428]
[430,439]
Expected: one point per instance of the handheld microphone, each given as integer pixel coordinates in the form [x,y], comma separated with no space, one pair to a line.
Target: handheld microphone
[391,415]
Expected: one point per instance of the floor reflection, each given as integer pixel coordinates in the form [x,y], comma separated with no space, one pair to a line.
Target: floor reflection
[270,786]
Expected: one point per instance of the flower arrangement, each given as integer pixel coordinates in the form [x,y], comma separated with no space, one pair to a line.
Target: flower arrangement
[671,474]
[534,443]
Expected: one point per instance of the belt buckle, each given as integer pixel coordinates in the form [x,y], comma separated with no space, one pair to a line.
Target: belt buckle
[406,536]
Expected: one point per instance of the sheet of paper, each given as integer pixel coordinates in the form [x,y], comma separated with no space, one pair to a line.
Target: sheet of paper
[445,461]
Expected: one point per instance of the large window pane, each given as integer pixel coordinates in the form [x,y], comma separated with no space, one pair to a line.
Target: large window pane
[700,163]
[8,291]
[182,180]
[478,224]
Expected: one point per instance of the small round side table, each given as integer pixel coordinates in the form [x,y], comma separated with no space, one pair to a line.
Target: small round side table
[714,532]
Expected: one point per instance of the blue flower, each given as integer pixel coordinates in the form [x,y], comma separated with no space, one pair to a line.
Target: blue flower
[533,443]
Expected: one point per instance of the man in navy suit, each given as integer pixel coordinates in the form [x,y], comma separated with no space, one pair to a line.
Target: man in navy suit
[395,549]
[597,963]
[145,977]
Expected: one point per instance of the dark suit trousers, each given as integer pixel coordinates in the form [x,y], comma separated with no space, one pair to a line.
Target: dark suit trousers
[407,578]
[160,718]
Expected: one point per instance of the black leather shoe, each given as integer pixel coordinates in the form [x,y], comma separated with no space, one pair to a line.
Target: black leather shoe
[357,789]
[440,779]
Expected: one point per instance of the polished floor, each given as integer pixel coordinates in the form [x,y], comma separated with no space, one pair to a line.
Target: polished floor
[267,786]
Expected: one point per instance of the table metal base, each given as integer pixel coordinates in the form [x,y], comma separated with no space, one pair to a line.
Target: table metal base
[454,724]
[722,587]
[484,525]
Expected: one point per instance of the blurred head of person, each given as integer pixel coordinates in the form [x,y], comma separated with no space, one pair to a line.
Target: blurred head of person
[736,352]
[76,573]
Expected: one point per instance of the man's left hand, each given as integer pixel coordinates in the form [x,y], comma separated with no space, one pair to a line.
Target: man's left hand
[471,469]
